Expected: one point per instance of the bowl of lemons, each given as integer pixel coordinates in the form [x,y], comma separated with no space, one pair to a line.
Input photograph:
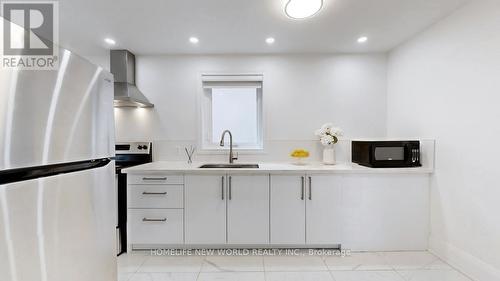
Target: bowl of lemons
[299,156]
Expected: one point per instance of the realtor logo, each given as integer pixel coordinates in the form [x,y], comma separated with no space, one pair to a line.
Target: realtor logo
[30,35]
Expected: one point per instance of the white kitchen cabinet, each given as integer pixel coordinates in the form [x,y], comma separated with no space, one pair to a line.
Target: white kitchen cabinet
[155,196]
[288,210]
[155,179]
[305,209]
[155,226]
[388,212]
[359,211]
[232,209]
[248,209]
[155,210]
[205,209]
[323,210]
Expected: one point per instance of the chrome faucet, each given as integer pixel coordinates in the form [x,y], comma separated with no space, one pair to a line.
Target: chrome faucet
[231,157]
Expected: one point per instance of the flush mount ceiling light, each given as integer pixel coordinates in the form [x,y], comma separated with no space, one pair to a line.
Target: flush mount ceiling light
[270,40]
[362,39]
[301,9]
[194,40]
[109,41]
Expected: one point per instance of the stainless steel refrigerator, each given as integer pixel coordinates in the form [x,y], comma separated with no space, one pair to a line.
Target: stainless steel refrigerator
[57,200]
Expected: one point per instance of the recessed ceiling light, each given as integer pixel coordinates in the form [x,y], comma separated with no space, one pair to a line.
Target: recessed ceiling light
[362,39]
[270,40]
[301,9]
[109,41]
[194,40]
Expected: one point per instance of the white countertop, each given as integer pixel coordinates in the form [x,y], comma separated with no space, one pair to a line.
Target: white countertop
[185,168]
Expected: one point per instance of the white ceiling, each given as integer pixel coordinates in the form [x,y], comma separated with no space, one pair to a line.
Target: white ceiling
[241,26]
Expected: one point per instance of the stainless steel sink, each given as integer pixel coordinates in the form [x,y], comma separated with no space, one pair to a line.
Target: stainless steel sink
[230,166]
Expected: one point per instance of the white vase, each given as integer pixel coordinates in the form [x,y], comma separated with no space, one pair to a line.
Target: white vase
[329,155]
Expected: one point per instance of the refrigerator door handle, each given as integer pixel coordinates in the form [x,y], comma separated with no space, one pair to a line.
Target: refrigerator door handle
[30,173]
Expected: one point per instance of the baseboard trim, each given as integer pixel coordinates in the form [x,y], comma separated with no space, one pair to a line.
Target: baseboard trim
[463,261]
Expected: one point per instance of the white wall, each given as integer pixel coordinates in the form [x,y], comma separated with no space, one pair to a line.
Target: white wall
[445,83]
[301,92]
[100,60]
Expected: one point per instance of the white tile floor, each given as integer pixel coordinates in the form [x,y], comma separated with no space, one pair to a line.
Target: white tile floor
[387,266]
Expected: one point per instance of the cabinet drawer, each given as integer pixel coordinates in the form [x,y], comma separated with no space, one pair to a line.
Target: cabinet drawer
[155,196]
[155,226]
[155,179]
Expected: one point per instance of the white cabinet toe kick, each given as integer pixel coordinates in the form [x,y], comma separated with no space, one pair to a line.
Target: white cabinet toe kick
[359,212]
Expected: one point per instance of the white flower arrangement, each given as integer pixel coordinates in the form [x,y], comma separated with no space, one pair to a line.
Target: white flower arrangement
[328,134]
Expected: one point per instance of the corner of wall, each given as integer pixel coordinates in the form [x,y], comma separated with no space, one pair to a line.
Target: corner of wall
[463,261]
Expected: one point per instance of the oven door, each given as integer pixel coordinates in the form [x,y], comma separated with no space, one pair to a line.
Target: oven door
[393,154]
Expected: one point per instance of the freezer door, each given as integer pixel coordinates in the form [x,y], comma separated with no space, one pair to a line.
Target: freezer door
[49,117]
[59,228]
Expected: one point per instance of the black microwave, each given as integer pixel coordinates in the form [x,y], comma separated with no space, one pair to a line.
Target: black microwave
[386,154]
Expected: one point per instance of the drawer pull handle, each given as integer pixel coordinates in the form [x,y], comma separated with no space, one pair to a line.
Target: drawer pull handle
[222,187]
[154,193]
[154,179]
[230,195]
[310,188]
[153,220]
[302,188]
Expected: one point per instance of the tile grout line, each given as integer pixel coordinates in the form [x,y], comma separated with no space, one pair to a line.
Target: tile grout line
[138,268]
[328,268]
[451,266]
[422,268]
[264,268]
[142,263]
[400,275]
[201,268]
[393,267]
[384,257]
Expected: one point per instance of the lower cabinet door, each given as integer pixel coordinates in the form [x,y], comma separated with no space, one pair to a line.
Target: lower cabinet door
[205,209]
[288,210]
[155,226]
[248,209]
[385,212]
[323,216]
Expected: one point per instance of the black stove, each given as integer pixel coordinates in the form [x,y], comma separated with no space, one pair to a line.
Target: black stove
[127,155]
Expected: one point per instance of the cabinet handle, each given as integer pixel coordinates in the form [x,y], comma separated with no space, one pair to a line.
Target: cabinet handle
[230,195]
[310,188]
[154,193]
[154,220]
[222,187]
[302,188]
[154,179]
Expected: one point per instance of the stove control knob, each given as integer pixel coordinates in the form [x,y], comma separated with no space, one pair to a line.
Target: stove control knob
[139,147]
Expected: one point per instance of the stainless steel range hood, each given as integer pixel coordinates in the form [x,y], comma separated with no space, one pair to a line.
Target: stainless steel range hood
[123,69]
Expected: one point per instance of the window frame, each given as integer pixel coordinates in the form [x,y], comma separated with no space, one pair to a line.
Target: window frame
[205,117]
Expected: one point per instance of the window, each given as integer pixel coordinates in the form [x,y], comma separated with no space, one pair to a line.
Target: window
[234,103]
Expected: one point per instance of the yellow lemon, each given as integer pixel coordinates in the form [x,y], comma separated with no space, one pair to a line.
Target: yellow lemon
[300,153]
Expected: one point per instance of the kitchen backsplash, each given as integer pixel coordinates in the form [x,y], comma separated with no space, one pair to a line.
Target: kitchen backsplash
[274,151]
